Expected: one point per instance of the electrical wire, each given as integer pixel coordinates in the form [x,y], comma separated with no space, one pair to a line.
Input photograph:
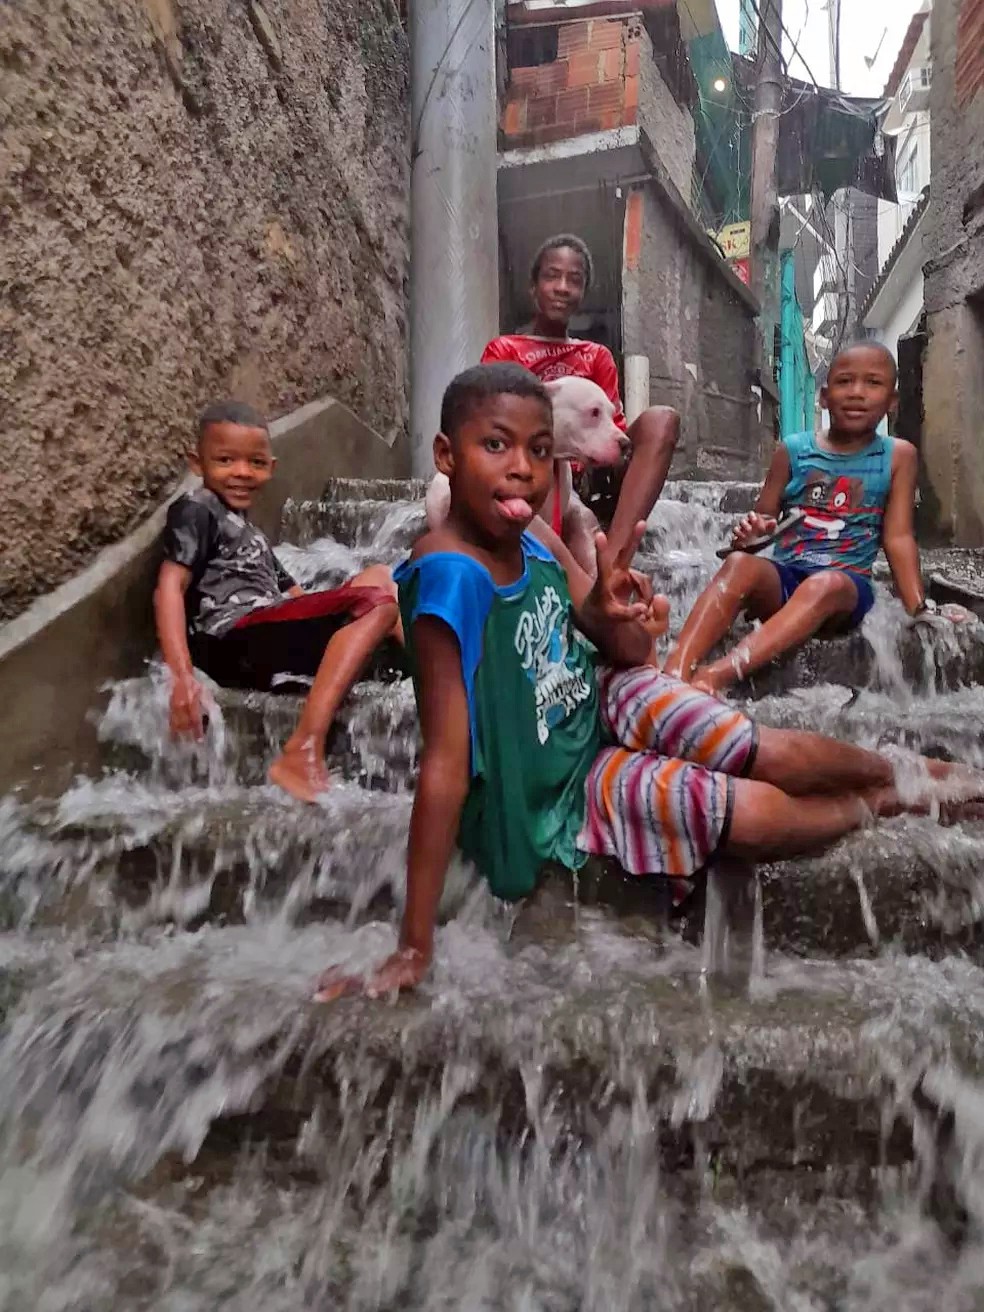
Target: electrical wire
[830,93]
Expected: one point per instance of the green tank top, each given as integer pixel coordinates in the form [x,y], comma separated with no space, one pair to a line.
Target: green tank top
[533,708]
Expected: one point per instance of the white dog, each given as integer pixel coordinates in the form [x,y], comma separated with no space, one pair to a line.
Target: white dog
[584,430]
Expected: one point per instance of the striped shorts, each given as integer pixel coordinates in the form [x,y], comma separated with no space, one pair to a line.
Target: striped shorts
[660,801]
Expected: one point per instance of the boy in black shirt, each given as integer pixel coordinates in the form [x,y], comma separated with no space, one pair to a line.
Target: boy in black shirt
[220,601]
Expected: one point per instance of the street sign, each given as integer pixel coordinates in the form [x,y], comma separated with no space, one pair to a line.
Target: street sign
[735,240]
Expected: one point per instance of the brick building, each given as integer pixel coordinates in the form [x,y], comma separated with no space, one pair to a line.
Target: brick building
[953,382]
[597,136]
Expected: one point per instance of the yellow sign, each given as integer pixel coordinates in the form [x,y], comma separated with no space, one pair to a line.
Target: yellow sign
[735,240]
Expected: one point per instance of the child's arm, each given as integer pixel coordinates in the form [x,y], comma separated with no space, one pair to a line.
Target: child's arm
[764,517]
[288,585]
[898,537]
[442,787]
[172,634]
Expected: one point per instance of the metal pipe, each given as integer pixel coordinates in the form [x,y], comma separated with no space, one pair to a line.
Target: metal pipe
[454,247]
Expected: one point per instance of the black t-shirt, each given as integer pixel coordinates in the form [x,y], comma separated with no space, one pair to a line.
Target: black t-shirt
[233,568]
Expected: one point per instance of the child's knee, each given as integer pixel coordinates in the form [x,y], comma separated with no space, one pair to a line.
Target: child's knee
[657,428]
[740,575]
[829,592]
[759,817]
[376,576]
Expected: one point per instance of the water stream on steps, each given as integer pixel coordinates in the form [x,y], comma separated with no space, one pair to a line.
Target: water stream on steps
[575,1114]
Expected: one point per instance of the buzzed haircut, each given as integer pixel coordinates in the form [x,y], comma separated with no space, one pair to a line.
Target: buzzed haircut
[230,412]
[564,241]
[863,345]
[471,388]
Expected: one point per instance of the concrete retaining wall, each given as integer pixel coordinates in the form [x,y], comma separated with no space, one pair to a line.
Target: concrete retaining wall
[199,199]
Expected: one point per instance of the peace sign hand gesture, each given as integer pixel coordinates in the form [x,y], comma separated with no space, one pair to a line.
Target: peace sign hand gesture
[611,598]
[620,603]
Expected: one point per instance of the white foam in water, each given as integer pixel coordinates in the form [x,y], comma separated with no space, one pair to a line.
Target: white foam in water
[577,1113]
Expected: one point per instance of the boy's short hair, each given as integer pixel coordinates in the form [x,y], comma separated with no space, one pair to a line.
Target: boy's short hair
[564,240]
[466,392]
[230,412]
[868,345]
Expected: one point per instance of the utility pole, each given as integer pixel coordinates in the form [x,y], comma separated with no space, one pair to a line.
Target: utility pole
[850,301]
[764,190]
[454,234]
[833,29]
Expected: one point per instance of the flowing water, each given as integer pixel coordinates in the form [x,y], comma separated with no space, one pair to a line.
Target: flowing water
[588,1107]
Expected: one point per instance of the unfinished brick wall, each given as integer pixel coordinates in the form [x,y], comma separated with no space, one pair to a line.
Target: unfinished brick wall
[592,86]
[970,51]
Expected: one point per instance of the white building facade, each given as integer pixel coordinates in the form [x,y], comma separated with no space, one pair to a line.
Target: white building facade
[894,306]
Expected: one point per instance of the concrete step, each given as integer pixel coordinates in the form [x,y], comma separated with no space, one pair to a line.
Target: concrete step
[386,527]
[374,739]
[131,851]
[908,885]
[121,853]
[814,1070]
[375,489]
[727,498]
[890,655]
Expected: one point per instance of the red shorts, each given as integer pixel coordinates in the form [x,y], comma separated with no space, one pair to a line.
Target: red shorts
[279,641]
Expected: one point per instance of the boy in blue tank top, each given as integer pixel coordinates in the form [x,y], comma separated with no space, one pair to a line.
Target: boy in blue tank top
[855,492]
[533,751]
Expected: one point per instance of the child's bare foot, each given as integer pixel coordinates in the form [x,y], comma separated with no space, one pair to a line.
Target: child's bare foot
[300,770]
[711,679]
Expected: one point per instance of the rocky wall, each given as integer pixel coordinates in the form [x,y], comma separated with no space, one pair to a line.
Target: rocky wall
[198,198]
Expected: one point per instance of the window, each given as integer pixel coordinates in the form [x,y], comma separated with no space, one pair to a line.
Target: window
[529,47]
[909,173]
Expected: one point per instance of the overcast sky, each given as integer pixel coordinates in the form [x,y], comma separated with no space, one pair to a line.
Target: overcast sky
[866,25]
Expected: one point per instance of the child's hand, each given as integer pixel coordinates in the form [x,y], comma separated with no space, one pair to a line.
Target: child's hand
[752,526]
[956,613]
[950,612]
[615,585]
[403,970]
[187,715]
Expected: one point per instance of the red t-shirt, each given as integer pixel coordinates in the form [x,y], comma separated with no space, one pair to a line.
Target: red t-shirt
[565,357]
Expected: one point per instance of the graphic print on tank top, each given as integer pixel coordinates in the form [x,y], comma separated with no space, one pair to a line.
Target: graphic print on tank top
[543,643]
[843,498]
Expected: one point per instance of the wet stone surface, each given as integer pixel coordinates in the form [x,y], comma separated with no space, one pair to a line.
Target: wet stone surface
[769,1098]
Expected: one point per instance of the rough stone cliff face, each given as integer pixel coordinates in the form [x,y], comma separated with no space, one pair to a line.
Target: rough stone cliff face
[198,198]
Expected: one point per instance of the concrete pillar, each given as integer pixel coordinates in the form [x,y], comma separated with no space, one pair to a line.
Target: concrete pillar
[454,281]
[636,386]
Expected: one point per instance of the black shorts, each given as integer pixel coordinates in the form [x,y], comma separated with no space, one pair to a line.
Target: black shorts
[276,642]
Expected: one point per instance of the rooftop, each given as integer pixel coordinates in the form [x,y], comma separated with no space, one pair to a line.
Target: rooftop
[906,51]
[911,223]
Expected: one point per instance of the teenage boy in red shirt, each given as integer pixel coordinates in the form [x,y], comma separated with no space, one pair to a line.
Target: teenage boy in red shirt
[559,280]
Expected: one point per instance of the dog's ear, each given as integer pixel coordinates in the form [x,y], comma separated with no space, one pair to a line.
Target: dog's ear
[553,387]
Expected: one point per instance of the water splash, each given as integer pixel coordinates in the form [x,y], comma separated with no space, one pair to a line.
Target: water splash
[578,1112]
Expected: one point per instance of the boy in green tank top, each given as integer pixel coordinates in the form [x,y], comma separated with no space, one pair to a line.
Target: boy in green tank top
[532,750]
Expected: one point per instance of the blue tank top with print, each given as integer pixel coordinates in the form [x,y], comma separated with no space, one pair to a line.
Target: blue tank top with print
[843,499]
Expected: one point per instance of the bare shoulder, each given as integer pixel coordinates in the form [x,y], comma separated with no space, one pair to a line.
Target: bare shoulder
[439,539]
[904,454]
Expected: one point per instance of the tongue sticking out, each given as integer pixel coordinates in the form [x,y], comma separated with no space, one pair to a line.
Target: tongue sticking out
[516,509]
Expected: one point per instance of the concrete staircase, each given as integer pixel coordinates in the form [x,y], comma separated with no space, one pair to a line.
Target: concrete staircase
[584,1059]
